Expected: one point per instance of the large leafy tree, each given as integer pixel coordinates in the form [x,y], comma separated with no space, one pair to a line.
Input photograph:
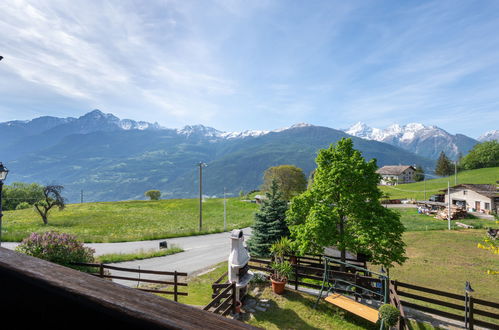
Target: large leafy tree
[342,208]
[444,166]
[20,192]
[291,180]
[484,154]
[52,197]
[270,223]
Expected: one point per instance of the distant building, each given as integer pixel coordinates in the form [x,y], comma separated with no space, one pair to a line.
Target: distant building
[479,197]
[396,174]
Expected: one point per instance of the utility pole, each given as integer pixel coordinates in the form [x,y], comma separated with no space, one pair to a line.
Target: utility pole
[225,212]
[201,165]
[448,204]
[81,197]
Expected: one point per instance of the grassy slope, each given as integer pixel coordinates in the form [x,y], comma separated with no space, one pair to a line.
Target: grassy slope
[416,190]
[131,220]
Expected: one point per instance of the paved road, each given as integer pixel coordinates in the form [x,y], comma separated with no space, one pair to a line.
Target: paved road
[200,252]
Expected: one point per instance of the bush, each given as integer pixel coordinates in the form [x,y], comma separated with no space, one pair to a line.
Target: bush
[60,248]
[153,195]
[389,314]
[23,205]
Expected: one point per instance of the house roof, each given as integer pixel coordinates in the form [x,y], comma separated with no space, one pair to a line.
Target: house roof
[488,190]
[393,169]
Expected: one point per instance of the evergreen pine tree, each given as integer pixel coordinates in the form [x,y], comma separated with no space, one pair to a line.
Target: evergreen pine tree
[444,166]
[270,224]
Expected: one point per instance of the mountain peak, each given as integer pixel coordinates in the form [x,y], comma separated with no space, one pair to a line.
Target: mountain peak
[489,136]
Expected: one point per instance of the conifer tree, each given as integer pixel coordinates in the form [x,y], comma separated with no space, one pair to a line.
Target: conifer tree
[444,166]
[270,223]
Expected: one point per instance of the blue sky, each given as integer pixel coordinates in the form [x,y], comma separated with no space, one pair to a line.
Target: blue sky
[237,65]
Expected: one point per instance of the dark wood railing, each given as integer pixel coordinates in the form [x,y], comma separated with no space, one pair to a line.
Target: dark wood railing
[225,302]
[395,301]
[449,305]
[469,310]
[175,283]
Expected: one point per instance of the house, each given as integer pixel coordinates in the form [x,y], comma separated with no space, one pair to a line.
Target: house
[478,197]
[396,174]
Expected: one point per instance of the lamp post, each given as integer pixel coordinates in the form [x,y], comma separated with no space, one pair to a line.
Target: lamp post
[3,175]
[448,201]
[201,165]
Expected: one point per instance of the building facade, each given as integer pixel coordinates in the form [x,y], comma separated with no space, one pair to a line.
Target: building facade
[396,174]
[475,197]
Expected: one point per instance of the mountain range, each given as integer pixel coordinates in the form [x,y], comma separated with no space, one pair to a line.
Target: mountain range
[425,141]
[118,159]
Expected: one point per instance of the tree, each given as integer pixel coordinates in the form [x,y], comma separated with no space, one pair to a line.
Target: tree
[153,195]
[419,174]
[342,208]
[270,224]
[21,193]
[482,155]
[291,180]
[51,198]
[444,166]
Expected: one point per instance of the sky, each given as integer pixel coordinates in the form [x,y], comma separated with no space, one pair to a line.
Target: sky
[254,65]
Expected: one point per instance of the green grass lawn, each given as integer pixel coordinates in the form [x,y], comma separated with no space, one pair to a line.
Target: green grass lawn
[131,220]
[416,190]
[421,222]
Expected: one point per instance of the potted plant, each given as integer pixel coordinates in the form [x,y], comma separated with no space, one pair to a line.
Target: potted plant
[282,269]
[281,272]
[389,315]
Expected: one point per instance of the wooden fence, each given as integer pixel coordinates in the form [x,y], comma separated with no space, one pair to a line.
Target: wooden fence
[225,302]
[175,283]
[453,306]
[313,277]
[395,301]
[449,305]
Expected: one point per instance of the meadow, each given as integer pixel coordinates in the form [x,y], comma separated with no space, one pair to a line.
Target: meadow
[416,191]
[131,220]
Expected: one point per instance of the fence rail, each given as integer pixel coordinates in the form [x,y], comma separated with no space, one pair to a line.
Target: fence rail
[224,302]
[175,283]
[462,308]
[450,305]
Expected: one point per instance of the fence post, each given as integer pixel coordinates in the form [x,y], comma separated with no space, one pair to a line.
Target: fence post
[234,301]
[470,312]
[296,277]
[101,270]
[175,286]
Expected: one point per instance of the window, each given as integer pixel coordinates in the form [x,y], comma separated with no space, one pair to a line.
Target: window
[464,192]
[487,206]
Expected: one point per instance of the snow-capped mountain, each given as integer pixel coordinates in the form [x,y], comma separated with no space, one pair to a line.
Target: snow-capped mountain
[489,136]
[426,141]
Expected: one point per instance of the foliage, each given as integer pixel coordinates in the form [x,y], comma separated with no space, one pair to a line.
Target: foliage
[444,166]
[153,195]
[59,248]
[291,180]
[485,154]
[342,209]
[51,198]
[270,224]
[23,205]
[389,314]
[20,193]
[419,174]
[282,271]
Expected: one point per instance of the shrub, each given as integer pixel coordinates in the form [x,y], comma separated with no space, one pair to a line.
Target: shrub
[60,248]
[153,195]
[389,314]
[23,205]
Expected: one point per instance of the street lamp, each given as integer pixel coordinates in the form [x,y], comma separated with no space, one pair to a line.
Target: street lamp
[448,193]
[468,290]
[201,165]
[3,175]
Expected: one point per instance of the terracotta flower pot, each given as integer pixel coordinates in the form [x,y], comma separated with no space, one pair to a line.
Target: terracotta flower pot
[238,306]
[278,287]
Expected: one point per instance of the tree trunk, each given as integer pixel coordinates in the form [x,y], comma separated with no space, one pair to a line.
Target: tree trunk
[343,249]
